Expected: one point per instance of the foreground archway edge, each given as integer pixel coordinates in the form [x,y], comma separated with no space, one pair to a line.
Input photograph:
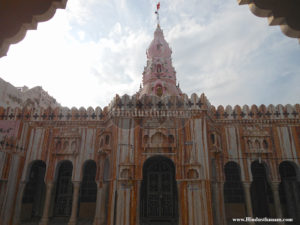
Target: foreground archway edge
[279,12]
[29,14]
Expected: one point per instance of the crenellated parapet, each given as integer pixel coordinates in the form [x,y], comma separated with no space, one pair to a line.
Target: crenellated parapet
[270,112]
[121,105]
[56,114]
[118,104]
[161,105]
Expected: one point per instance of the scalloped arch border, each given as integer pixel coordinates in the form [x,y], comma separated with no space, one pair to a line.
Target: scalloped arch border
[47,15]
[272,19]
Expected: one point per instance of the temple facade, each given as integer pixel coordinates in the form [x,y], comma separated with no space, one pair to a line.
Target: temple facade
[158,157]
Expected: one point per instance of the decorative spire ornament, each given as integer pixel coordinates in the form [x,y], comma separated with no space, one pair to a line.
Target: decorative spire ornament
[157,13]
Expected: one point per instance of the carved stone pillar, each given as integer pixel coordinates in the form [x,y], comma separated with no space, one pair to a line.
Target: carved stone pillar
[45,217]
[73,217]
[275,187]
[99,207]
[247,186]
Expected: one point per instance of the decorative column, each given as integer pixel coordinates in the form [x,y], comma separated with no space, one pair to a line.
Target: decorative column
[3,185]
[73,218]
[138,204]
[16,219]
[247,186]
[99,208]
[45,217]
[216,201]
[275,187]
[221,191]
[297,205]
[288,191]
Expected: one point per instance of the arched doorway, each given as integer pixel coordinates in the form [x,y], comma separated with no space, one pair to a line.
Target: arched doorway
[159,198]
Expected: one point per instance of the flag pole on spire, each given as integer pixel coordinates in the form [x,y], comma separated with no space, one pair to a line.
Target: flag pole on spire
[157,13]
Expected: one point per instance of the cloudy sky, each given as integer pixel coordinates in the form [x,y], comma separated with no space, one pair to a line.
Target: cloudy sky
[95,49]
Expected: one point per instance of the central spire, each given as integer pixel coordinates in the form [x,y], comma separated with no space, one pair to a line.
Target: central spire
[159,76]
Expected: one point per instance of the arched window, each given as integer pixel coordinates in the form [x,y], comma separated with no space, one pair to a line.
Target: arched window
[66,145]
[73,146]
[88,191]
[107,139]
[233,192]
[289,190]
[34,193]
[64,190]
[212,138]
[249,142]
[233,189]
[265,145]
[257,144]
[158,68]
[58,146]
[171,139]
[261,194]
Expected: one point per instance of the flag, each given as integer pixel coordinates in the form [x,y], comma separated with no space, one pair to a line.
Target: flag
[158,6]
